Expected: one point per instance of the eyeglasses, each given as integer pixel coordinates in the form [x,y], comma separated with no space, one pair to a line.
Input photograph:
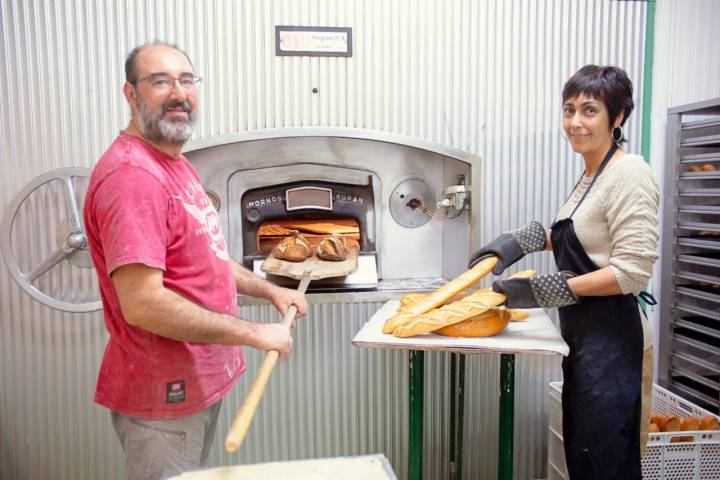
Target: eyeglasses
[163,82]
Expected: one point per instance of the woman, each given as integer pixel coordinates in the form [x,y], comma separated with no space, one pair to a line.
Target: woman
[605,244]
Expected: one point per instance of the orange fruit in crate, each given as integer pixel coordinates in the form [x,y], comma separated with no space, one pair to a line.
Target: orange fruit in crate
[670,423]
[686,425]
[653,428]
[690,424]
[655,419]
[709,423]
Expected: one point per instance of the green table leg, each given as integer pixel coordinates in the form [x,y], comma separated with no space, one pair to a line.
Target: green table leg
[415,428]
[507,399]
[453,420]
[460,416]
[457,410]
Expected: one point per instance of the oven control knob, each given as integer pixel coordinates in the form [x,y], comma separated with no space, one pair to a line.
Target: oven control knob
[412,203]
[253,215]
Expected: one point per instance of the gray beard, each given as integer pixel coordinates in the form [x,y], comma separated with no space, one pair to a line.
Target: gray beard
[157,129]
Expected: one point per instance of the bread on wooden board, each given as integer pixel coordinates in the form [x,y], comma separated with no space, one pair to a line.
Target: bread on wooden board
[293,248]
[333,248]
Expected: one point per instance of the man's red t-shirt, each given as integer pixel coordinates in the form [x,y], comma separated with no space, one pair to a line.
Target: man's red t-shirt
[145,206]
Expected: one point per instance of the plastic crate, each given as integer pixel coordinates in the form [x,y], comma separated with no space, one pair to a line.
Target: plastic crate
[665,457]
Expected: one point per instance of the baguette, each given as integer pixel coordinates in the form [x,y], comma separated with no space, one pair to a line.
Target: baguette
[518,315]
[470,306]
[486,324]
[410,298]
[414,297]
[443,294]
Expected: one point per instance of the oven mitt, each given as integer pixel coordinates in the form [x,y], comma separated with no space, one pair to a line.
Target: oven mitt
[512,246]
[547,291]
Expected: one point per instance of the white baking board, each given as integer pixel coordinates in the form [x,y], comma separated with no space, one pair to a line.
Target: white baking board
[369,467]
[536,335]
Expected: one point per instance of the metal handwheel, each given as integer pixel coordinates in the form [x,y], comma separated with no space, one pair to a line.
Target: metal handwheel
[44,245]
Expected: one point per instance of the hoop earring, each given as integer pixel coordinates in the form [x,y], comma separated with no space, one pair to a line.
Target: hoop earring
[562,130]
[619,137]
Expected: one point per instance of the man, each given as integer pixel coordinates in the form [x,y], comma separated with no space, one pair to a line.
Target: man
[167,282]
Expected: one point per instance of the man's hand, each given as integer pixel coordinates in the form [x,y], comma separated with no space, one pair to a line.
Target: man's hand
[273,336]
[282,298]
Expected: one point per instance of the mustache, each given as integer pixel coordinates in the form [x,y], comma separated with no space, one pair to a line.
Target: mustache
[173,104]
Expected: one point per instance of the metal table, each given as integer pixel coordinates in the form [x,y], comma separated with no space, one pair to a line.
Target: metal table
[536,335]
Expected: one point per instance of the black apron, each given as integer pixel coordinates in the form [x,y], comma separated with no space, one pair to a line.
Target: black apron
[602,375]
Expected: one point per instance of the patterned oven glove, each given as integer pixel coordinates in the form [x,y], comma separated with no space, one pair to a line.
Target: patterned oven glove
[512,246]
[545,291]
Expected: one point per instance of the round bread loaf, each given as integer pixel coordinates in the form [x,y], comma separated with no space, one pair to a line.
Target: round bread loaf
[486,324]
[293,248]
[333,248]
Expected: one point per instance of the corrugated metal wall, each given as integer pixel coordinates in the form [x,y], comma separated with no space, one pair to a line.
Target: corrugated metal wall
[481,76]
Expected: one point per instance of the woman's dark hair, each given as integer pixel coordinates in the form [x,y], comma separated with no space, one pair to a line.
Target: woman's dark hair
[610,85]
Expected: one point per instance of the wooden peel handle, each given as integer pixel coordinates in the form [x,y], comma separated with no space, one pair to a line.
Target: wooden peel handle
[246,412]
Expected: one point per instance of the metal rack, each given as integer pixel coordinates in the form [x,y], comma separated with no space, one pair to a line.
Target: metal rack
[690,310]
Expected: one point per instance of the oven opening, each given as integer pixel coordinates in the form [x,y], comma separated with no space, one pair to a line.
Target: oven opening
[272,232]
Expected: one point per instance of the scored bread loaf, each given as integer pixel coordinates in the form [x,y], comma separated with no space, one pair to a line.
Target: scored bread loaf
[486,324]
[333,248]
[470,306]
[444,293]
[293,248]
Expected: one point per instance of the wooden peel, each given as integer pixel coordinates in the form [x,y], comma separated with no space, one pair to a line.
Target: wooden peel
[319,268]
[246,412]
[311,269]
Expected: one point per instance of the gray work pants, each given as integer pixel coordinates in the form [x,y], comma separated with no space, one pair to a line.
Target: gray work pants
[158,449]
